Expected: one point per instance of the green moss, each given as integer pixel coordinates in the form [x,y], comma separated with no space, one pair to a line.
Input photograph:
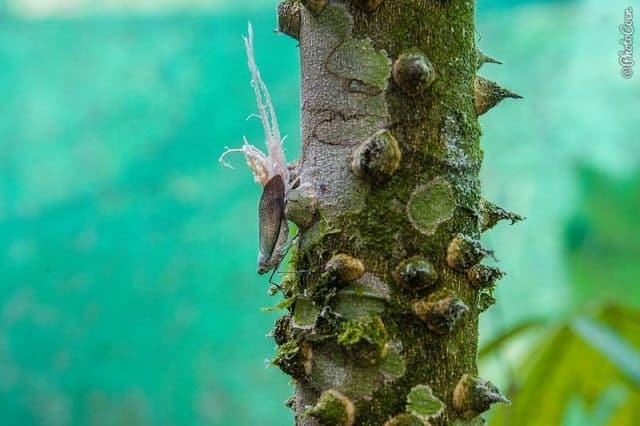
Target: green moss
[375,228]
[366,337]
[332,409]
[369,329]
[292,358]
[285,352]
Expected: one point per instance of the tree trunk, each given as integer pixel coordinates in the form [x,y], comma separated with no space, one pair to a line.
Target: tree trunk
[382,322]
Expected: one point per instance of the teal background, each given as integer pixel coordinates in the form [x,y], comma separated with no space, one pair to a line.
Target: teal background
[128,292]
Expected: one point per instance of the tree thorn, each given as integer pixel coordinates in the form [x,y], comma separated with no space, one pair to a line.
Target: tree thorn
[441,311]
[289,18]
[377,158]
[491,214]
[482,59]
[464,252]
[488,94]
[473,395]
[332,408]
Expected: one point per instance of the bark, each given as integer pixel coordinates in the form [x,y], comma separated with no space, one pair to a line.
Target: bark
[382,322]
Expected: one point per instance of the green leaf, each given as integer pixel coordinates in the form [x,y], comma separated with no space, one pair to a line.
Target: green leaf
[609,343]
[564,366]
[577,414]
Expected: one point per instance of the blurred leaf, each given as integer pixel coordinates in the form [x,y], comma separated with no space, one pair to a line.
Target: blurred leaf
[578,415]
[564,366]
[608,342]
[502,338]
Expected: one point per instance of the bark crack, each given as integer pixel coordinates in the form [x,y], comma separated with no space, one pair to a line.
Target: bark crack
[327,116]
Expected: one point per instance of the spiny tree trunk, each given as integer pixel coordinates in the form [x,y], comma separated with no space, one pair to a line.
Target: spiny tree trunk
[382,322]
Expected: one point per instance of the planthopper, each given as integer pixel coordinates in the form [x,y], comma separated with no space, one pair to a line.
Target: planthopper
[269,170]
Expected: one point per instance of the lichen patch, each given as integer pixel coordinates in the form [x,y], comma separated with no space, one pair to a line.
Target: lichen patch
[430,205]
[422,403]
[357,60]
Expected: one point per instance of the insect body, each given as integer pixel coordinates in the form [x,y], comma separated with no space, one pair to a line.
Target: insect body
[269,170]
[273,226]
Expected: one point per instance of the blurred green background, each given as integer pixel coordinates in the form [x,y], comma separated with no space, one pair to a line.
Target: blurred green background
[128,292]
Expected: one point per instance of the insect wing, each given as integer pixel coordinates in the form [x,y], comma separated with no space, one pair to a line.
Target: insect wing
[270,215]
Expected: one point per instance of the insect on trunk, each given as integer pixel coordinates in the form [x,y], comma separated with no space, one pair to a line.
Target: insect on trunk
[273,226]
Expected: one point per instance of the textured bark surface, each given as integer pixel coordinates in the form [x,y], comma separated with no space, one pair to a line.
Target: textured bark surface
[383,321]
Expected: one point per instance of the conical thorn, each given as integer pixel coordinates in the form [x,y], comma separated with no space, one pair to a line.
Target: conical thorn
[482,59]
[289,19]
[488,94]
[474,395]
[464,252]
[491,214]
[441,311]
[482,276]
